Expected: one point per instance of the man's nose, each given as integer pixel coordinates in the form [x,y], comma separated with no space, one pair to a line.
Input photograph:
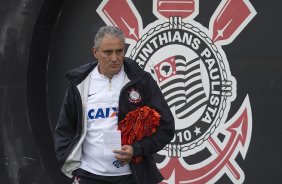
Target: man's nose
[114,57]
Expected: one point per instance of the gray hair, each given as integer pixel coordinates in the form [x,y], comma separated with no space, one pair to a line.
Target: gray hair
[108,31]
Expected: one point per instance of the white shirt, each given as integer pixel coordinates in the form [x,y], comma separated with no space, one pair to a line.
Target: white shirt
[102,109]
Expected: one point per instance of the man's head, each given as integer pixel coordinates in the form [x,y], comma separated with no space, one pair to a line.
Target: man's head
[109,50]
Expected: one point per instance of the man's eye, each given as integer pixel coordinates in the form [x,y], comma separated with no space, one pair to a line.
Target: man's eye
[108,52]
[119,52]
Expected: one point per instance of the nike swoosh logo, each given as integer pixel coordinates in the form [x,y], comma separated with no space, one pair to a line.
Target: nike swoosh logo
[91,94]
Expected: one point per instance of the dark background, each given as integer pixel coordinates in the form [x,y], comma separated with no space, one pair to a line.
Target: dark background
[41,39]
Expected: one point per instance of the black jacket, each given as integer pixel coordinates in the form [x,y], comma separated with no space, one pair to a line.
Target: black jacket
[71,130]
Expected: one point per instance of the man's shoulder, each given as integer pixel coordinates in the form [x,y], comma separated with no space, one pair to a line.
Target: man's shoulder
[132,68]
[78,73]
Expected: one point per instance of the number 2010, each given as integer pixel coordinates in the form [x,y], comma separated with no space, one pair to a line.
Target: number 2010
[182,136]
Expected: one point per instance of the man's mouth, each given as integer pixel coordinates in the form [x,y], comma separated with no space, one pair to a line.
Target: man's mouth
[115,66]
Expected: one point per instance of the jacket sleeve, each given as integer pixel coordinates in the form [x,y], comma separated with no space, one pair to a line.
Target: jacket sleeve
[165,131]
[65,129]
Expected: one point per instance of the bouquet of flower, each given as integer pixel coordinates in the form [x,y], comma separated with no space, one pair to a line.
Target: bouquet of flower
[137,124]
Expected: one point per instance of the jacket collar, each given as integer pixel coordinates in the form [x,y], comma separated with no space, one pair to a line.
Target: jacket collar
[131,68]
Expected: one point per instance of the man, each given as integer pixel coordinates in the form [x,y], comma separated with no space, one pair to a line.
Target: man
[98,97]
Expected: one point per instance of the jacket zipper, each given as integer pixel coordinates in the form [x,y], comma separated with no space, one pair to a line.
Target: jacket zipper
[70,151]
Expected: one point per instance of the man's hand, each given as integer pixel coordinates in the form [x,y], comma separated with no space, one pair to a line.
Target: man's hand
[124,155]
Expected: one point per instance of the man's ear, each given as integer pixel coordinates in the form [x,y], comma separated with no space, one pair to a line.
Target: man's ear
[94,51]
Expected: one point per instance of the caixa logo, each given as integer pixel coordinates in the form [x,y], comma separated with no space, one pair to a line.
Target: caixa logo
[191,68]
[100,113]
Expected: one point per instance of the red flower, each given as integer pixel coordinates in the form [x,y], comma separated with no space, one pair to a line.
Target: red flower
[137,124]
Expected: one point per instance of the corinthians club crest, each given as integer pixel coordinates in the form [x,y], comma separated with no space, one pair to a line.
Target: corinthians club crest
[187,61]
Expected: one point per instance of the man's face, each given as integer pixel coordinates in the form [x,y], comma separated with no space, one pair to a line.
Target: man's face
[110,55]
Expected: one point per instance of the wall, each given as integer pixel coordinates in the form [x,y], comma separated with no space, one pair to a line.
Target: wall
[40,40]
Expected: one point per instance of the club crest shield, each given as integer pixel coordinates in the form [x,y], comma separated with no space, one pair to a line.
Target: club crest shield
[192,70]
